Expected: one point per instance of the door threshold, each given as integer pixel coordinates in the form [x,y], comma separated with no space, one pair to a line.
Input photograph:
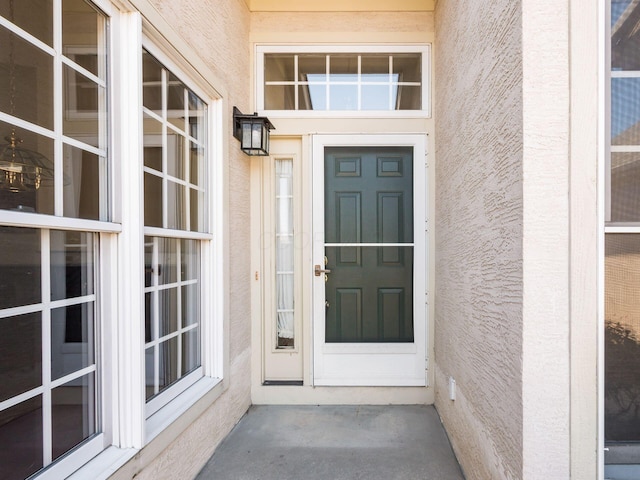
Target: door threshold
[289,383]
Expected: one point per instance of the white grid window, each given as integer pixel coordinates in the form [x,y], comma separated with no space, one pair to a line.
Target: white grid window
[175,152]
[53,162]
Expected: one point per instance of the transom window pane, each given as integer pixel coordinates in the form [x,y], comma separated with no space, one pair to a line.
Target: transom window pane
[341,81]
[42,172]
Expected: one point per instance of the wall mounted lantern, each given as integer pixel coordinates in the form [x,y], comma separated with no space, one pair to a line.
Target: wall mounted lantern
[252,131]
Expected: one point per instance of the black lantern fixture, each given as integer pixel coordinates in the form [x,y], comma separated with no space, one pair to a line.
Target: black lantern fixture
[252,131]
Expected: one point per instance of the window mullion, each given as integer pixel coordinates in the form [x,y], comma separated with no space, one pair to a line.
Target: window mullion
[58,107]
[47,431]
[128,130]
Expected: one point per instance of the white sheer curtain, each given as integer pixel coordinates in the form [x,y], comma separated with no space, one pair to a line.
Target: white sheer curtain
[284,252]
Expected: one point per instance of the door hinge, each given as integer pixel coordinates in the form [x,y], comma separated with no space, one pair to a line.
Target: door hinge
[426,364]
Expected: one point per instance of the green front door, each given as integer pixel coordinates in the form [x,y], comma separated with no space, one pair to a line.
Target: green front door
[369,244]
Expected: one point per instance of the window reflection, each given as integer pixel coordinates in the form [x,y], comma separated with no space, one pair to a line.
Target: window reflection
[622,337]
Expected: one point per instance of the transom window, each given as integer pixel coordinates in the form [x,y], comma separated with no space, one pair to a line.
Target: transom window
[365,79]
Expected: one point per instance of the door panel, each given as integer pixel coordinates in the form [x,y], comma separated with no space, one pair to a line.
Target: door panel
[369,320]
[368,195]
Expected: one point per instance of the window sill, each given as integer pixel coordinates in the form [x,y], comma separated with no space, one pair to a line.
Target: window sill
[179,414]
[105,464]
[167,415]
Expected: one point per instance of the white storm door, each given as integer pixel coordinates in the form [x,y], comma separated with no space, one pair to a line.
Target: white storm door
[369,260]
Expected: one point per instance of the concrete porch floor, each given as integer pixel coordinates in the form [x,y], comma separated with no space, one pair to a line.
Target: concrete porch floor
[335,442]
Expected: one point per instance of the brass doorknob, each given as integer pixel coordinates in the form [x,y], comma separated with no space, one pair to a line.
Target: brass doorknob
[318,270]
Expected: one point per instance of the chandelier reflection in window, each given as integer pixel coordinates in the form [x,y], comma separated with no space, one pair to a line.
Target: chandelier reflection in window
[21,169]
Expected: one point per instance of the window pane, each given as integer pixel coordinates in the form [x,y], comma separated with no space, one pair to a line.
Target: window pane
[375,68]
[153,158]
[198,222]
[152,200]
[20,265]
[196,156]
[279,97]
[168,365]
[312,97]
[20,354]
[312,68]
[343,97]
[625,187]
[625,38]
[82,113]
[71,264]
[279,68]
[40,25]
[176,102]
[72,339]
[197,117]
[73,414]
[82,185]
[26,81]
[176,215]
[148,262]
[149,314]
[26,171]
[190,350]
[175,155]
[375,97]
[190,257]
[190,304]
[625,111]
[151,83]
[343,68]
[168,258]
[152,143]
[622,337]
[20,459]
[407,67]
[168,311]
[409,98]
[82,28]
[149,372]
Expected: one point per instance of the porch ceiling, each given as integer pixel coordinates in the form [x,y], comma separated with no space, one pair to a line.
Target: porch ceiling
[341,5]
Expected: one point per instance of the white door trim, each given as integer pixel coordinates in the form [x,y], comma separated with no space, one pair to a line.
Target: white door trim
[368,364]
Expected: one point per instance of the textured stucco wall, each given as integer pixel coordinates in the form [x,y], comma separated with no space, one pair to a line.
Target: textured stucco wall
[479,228]
[326,23]
[219,32]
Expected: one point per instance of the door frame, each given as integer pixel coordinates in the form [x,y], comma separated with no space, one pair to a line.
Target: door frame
[377,364]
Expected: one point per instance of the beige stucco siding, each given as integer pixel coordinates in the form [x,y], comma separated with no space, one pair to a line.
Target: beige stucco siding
[479,271]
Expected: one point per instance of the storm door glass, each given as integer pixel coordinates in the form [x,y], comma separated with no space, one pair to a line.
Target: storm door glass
[369,244]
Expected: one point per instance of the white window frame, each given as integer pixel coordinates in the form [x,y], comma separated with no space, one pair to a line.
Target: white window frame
[424,49]
[102,231]
[183,393]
